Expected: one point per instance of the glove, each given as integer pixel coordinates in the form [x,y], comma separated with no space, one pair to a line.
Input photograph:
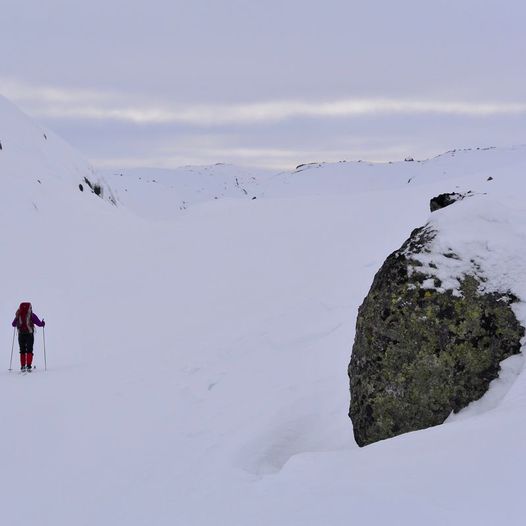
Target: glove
[43,323]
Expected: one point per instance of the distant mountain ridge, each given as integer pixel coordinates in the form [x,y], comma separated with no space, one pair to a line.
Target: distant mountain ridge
[164,193]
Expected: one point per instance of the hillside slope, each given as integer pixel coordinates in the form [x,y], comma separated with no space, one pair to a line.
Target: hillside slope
[163,193]
[197,365]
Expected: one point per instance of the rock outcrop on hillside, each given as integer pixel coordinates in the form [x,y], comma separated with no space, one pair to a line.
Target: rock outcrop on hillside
[443,200]
[421,352]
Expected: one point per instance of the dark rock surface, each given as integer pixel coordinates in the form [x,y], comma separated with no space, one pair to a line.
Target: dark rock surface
[419,353]
[443,200]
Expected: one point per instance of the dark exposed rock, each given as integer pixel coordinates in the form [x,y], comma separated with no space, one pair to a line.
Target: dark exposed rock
[95,187]
[419,353]
[443,200]
[98,190]
[307,165]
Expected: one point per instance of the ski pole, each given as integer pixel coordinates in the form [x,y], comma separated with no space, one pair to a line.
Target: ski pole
[12,347]
[45,358]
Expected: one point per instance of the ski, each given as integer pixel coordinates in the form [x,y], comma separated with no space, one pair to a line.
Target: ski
[27,371]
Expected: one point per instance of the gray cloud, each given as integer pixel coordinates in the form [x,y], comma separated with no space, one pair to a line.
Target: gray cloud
[283,145]
[53,102]
[275,82]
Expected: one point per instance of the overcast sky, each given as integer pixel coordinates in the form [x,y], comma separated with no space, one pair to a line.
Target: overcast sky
[267,83]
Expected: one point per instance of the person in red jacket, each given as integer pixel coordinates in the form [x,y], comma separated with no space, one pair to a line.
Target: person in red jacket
[25,321]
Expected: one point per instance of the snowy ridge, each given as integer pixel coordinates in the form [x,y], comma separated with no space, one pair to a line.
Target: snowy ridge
[197,365]
[164,193]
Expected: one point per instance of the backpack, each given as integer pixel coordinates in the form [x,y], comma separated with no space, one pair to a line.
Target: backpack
[23,317]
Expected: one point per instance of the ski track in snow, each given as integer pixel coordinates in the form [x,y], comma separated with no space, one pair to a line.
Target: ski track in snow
[197,347]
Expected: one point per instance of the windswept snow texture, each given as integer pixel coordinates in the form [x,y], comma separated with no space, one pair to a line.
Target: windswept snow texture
[197,365]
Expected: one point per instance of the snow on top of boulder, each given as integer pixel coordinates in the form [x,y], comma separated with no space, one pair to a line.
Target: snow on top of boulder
[481,236]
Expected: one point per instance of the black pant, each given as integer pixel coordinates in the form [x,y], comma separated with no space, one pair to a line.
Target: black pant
[26,341]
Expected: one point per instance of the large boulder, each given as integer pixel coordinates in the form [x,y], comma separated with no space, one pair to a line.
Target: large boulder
[421,351]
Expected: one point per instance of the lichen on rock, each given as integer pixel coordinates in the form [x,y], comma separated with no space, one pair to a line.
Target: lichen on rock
[420,351]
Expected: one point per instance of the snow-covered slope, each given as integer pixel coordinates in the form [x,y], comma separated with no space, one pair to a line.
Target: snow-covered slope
[164,194]
[197,365]
[35,162]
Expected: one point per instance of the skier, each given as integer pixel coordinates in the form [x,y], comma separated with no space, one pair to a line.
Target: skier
[25,321]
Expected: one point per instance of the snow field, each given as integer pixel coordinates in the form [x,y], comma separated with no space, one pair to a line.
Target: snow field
[197,358]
